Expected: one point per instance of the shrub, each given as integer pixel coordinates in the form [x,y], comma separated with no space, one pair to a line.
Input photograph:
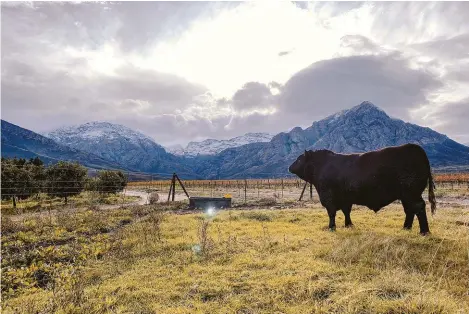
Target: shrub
[65,179]
[109,181]
[21,178]
[153,198]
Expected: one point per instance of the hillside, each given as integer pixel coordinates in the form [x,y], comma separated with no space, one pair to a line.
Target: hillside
[23,143]
[122,145]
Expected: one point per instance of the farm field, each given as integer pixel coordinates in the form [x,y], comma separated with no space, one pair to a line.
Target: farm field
[253,259]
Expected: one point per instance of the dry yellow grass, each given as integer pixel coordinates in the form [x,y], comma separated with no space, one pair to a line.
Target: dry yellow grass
[266,261]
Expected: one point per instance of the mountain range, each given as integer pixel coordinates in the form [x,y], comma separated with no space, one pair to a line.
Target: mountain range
[23,143]
[213,146]
[121,145]
[254,155]
[362,128]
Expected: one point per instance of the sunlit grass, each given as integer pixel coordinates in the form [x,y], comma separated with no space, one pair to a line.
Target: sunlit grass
[270,261]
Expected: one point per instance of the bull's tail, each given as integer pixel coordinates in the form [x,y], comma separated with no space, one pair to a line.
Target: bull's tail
[431,193]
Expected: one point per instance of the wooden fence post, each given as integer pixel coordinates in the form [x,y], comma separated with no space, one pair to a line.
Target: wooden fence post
[282,188]
[170,190]
[245,190]
[182,185]
[174,186]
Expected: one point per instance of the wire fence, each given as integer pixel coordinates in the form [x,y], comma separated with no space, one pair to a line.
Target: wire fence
[205,187]
[41,193]
[242,191]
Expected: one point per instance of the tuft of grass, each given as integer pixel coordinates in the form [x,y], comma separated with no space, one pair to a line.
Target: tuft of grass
[256,215]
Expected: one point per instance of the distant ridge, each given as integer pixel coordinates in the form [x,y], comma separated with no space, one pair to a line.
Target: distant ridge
[362,128]
[213,146]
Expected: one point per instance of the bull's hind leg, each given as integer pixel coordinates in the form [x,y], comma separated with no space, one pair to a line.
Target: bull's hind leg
[409,214]
[347,210]
[422,216]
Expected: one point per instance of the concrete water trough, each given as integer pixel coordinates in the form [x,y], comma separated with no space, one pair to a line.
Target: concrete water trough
[209,202]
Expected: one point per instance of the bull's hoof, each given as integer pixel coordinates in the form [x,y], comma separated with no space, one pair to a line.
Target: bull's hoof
[332,229]
[349,226]
[425,233]
[407,228]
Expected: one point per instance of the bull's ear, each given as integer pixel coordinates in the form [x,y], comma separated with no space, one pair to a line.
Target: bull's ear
[307,154]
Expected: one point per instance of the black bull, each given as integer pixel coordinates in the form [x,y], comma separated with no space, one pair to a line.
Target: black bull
[373,179]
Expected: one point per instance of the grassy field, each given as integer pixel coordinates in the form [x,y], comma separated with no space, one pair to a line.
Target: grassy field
[151,259]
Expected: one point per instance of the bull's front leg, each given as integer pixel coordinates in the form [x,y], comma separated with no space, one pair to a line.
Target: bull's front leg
[331,211]
[327,200]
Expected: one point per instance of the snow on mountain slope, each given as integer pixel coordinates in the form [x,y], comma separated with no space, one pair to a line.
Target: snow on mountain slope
[23,143]
[362,128]
[213,146]
[175,150]
[98,132]
[120,144]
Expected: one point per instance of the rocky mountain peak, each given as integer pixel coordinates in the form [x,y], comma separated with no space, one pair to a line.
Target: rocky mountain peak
[368,110]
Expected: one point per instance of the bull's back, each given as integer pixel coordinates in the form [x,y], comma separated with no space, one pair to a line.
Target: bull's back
[389,174]
[405,159]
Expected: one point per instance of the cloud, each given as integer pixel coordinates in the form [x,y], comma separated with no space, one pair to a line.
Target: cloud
[134,26]
[283,53]
[253,95]
[359,44]
[452,119]
[329,86]
[185,71]
[453,48]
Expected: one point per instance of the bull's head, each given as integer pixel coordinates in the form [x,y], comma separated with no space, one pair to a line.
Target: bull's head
[299,167]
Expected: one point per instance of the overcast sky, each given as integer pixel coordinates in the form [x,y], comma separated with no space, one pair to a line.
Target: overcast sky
[182,71]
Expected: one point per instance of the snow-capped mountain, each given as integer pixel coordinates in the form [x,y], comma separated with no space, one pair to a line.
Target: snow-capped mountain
[22,143]
[120,144]
[362,128]
[175,149]
[213,146]
[96,137]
